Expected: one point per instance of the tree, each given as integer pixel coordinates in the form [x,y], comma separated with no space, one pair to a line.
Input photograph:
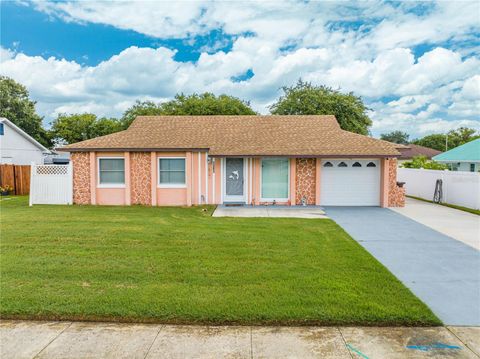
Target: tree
[140,108]
[307,99]
[395,137]
[435,141]
[461,136]
[16,105]
[195,104]
[423,162]
[456,138]
[79,127]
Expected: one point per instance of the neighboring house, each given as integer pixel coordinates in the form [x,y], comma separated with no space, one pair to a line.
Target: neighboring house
[192,160]
[412,150]
[57,158]
[462,158]
[17,147]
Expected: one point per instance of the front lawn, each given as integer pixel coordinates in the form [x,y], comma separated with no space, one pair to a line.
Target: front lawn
[180,265]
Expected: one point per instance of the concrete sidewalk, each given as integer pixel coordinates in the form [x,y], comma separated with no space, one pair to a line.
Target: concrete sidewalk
[460,225]
[23,339]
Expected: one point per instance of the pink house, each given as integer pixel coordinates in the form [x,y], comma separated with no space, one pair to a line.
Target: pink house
[257,160]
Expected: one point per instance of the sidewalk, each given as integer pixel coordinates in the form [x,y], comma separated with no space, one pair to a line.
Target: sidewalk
[24,339]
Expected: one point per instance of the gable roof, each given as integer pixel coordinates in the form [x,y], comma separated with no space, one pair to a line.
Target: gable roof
[468,152]
[412,150]
[25,135]
[240,136]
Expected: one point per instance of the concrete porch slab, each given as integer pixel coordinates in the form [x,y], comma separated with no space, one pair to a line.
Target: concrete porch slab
[271,211]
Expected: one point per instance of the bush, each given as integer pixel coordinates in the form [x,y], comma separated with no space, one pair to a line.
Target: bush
[423,162]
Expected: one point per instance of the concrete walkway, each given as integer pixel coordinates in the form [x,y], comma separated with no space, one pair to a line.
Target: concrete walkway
[22,339]
[270,211]
[443,272]
[462,226]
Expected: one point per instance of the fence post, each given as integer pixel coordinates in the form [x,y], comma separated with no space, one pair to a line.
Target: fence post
[32,171]
[70,183]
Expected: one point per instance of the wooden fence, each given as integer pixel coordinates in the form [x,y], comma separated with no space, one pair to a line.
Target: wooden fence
[16,176]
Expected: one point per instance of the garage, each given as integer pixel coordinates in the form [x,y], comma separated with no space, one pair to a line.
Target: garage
[350,182]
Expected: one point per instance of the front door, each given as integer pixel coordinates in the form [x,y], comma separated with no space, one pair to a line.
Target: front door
[234,180]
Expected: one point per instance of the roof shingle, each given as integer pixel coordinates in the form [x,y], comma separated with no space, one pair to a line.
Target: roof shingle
[240,136]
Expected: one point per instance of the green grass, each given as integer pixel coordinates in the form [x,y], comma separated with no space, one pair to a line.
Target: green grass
[180,265]
[460,208]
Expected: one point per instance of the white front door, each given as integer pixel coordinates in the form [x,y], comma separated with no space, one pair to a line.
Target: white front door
[234,180]
[350,182]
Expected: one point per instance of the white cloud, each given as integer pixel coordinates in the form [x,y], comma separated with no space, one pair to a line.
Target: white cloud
[376,62]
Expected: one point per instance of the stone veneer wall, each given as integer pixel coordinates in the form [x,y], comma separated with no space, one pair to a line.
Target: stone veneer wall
[396,195]
[81,177]
[140,178]
[305,180]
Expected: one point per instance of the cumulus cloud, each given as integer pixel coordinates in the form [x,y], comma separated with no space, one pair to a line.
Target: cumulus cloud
[280,42]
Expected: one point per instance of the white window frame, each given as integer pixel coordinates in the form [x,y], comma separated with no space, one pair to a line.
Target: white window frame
[110,185]
[262,199]
[171,185]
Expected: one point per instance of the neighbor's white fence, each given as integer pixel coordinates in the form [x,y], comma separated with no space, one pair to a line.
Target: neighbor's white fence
[51,184]
[460,188]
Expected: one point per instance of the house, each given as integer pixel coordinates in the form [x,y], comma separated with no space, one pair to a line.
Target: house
[258,160]
[462,158]
[18,147]
[412,150]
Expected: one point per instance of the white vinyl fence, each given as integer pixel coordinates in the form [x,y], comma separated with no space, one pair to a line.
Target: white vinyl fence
[51,184]
[459,188]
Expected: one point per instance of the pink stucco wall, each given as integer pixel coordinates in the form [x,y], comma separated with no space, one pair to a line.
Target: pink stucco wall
[111,196]
[204,180]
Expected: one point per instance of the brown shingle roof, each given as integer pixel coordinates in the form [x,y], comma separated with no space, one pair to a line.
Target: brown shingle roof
[241,136]
[416,150]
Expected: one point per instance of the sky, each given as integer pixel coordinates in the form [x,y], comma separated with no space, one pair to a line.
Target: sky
[415,64]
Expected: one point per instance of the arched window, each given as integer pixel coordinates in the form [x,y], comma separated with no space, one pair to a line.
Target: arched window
[342,164]
[357,164]
[328,164]
[371,164]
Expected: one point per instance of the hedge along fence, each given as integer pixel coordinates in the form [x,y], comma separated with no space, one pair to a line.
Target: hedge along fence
[16,176]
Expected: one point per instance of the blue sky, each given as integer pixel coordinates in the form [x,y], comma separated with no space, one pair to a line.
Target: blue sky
[415,64]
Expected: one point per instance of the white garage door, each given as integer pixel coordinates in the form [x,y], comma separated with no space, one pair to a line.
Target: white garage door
[350,182]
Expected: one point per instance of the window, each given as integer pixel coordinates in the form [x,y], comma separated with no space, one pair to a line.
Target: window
[371,164]
[275,178]
[342,164]
[111,171]
[328,164]
[171,172]
[472,167]
[357,164]
[2,130]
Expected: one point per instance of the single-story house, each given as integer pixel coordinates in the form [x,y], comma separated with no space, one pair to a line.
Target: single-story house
[462,158]
[257,160]
[412,150]
[17,147]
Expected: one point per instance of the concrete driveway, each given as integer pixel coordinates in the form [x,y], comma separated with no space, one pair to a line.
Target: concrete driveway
[460,225]
[443,272]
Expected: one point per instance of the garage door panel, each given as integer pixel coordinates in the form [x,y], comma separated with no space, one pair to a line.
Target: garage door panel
[350,183]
